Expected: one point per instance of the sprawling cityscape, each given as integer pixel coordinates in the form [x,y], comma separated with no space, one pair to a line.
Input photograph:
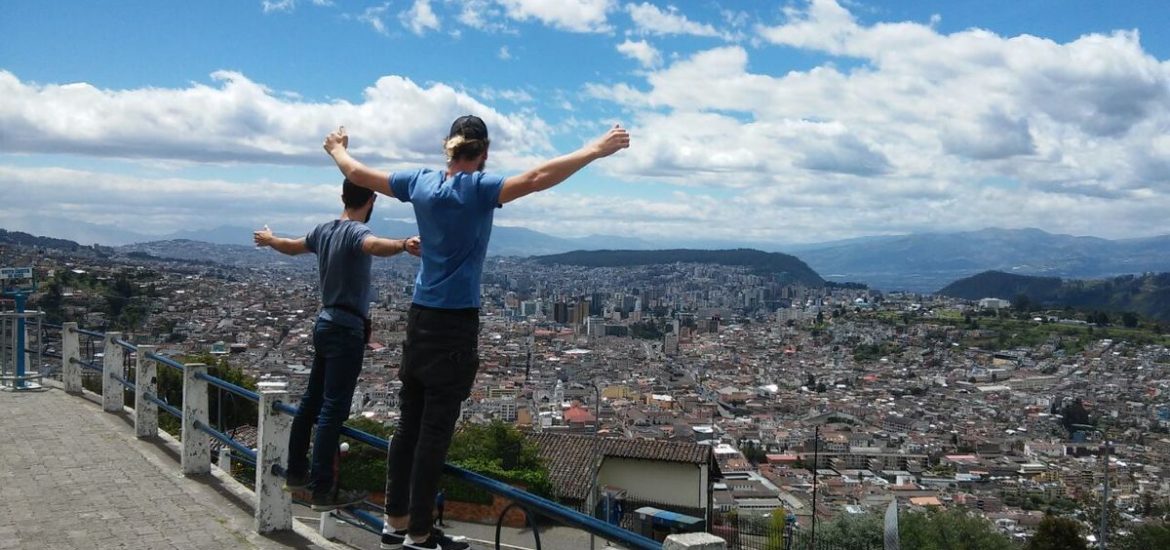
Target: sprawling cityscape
[863,396]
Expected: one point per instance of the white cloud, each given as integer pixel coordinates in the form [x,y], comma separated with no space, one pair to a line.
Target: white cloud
[238,120]
[375,17]
[649,19]
[420,18]
[504,54]
[272,6]
[159,205]
[569,15]
[641,51]
[921,129]
[484,15]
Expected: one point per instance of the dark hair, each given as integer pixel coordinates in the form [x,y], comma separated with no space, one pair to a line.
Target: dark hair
[354,195]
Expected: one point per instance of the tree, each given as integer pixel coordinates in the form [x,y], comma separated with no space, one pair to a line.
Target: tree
[1022,303]
[1129,319]
[950,530]
[776,529]
[1144,537]
[1057,533]
[364,467]
[499,450]
[850,531]
[1074,413]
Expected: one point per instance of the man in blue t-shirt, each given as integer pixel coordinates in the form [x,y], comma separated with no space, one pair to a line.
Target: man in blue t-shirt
[454,208]
[343,248]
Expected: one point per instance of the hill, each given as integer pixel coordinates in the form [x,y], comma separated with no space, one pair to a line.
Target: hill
[774,263]
[1148,294]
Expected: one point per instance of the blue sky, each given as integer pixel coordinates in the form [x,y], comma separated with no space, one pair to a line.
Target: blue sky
[788,122]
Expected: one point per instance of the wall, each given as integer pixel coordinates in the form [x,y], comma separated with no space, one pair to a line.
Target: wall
[666,482]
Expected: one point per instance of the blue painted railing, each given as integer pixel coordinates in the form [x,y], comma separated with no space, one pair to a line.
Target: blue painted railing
[530,503]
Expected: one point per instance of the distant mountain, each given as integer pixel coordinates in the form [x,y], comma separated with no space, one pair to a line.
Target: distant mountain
[226,254]
[925,262]
[505,241]
[762,262]
[25,239]
[1147,294]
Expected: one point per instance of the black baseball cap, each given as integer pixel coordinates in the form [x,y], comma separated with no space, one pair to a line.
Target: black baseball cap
[470,127]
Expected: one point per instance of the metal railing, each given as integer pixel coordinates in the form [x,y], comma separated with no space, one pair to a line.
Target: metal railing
[196,434]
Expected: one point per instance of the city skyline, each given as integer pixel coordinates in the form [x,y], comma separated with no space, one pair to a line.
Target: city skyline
[784,122]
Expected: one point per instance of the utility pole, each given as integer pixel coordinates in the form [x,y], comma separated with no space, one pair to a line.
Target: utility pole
[816,467]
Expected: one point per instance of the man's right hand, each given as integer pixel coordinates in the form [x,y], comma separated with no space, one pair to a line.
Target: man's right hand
[613,141]
[335,139]
[413,246]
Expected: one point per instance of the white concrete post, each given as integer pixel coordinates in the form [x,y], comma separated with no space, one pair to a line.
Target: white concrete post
[327,526]
[273,504]
[145,382]
[196,443]
[70,354]
[225,459]
[112,390]
[694,541]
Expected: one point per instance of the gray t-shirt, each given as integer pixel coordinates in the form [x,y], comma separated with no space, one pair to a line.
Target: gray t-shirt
[344,270]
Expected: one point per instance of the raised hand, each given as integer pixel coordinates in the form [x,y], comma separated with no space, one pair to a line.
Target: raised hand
[262,237]
[336,138]
[614,140]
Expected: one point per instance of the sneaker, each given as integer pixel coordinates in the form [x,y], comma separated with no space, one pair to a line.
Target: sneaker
[393,540]
[437,541]
[336,499]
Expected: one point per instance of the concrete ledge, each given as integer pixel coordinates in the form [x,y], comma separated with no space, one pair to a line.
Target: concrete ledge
[236,500]
[694,541]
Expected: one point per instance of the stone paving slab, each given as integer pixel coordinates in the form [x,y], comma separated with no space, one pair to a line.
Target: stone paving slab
[72,476]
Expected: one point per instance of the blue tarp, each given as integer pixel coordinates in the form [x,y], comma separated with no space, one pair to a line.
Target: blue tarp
[667,519]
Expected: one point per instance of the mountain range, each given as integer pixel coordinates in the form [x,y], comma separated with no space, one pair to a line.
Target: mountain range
[922,262]
[926,262]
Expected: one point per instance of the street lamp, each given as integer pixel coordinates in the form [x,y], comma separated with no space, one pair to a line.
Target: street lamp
[1103,530]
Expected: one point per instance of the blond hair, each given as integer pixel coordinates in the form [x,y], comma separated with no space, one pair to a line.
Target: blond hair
[458,147]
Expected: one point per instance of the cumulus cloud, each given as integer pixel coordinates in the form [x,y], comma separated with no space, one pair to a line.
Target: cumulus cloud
[650,19]
[641,51]
[1075,118]
[420,18]
[570,15]
[238,120]
[159,205]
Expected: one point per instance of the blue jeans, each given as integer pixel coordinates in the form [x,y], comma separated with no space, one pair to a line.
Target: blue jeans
[337,360]
[439,359]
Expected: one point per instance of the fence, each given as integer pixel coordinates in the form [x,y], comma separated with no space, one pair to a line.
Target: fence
[753,532]
[125,367]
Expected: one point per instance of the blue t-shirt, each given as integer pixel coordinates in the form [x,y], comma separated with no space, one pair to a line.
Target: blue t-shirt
[454,222]
[344,270]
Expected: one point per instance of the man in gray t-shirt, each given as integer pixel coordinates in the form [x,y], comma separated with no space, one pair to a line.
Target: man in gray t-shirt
[344,248]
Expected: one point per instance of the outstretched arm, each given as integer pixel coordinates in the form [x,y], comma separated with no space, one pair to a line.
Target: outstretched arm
[559,169]
[378,246]
[292,247]
[337,145]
